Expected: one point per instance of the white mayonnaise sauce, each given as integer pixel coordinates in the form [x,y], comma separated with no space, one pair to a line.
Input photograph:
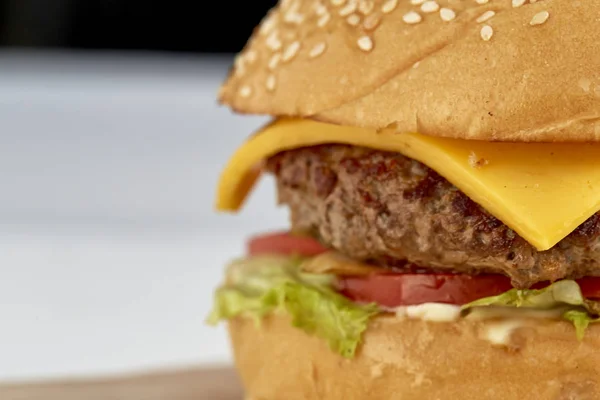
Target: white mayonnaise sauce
[499,332]
[434,312]
[499,322]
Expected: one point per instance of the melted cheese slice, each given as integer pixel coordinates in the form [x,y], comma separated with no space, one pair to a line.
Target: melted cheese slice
[543,191]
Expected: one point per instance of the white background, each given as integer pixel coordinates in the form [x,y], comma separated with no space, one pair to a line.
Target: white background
[109,244]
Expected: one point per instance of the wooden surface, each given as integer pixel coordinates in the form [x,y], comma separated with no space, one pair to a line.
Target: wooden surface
[214,384]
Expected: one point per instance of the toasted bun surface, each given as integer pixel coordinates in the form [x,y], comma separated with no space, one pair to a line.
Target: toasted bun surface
[428,68]
[416,360]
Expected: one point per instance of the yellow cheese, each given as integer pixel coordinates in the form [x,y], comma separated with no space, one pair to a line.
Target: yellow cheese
[543,191]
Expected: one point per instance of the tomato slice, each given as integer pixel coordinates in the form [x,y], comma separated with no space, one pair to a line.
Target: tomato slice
[284,243]
[409,289]
[590,287]
[393,290]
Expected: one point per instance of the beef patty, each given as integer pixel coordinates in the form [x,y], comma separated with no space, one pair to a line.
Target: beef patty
[391,210]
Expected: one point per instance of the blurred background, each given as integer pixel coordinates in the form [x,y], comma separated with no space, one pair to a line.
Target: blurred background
[179,26]
[111,143]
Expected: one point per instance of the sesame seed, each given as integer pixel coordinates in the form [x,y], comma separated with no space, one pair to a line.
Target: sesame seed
[430,6]
[417,2]
[323,20]
[317,50]
[365,43]
[238,60]
[482,1]
[485,16]
[320,9]
[290,51]
[338,2]
[518,3]
[292,15]
[274,61]
[271,83]
[240,68]
[412,17]
[447,14]
[273,41]
[416,65]
[353,20]
[251,56]
[486,32]
[389,6]
[293,18]
[268,24]
[371,22]
[348,9]
[366,6]
[245,91]
[540,18]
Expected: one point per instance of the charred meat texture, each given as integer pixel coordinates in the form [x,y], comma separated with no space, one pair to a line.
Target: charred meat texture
[391,210]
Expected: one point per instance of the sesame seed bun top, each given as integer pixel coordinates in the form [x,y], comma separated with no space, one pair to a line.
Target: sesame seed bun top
[519,70]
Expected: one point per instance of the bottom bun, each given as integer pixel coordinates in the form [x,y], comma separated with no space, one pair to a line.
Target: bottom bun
[408,359]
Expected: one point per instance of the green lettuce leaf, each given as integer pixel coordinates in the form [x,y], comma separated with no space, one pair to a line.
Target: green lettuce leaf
[565,294]
[581,320]
[561,292]
[261,285]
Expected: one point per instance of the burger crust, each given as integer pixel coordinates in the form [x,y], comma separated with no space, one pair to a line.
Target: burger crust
[526,83]
[408,359]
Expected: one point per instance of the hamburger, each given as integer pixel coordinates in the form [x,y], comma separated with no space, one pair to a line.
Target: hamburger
[441,164]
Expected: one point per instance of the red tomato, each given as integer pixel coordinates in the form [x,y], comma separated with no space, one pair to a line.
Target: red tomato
[284,243]
[590,287]
[408,289]
[394,290]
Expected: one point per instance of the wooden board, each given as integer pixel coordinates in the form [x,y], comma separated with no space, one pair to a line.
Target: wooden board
[198,384]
